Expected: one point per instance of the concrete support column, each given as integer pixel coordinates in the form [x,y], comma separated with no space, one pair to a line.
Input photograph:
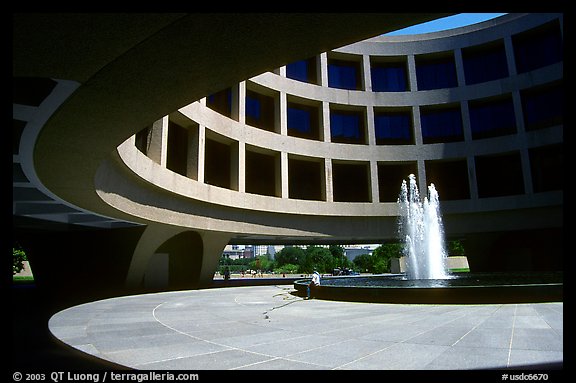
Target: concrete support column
[152,238]
[193,159]
[328,189]
[240,113]
[460,76]
[323,69]
[282,115]
[241,166]
[366,73]
[201,153]
[417,125]
[191,258]
[374,186]
[237,163]
[370,126]
[510,58]
[282,180]
[213,245]
[325,121]
[412,78]
[158,148]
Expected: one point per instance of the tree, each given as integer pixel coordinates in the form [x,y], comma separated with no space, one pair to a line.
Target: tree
[455,247]
[379,261]
[339,256]
[19,257]
[386,252]
[319,258]
[289,255]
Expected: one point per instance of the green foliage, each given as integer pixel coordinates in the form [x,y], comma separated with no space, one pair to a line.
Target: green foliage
[317,258]
[287,268]
[379,261]
[289,255]
[340,260]
[19,257]
[455,247]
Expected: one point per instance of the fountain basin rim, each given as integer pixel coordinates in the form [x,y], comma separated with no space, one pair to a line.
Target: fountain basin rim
[463,294]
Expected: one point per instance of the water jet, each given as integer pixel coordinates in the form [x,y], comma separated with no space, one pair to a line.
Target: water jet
[426,279]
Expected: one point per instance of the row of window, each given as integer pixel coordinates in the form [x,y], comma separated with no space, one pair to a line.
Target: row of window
[541,107]
[496,175]
[532,49]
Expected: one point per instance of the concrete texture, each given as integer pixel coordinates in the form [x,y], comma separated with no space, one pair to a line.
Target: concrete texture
[269,328]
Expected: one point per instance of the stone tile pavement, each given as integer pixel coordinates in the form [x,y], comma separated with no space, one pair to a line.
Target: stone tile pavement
[268,328]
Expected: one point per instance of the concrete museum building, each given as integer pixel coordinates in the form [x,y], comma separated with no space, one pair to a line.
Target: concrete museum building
[145,143]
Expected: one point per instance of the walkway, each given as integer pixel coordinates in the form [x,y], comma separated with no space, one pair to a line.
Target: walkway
[268,328]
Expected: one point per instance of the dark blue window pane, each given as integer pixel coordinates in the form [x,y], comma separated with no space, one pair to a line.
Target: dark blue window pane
[299,120]
[436,74]
[389,78]
[538,47]
[492,119]
[441,126]
[297,71]
[253,108]
[543,107]
[221,102]
[485,65]
[393,128]
[346,127]
[343,75]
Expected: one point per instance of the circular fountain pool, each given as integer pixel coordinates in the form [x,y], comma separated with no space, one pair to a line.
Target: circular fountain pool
[457,288]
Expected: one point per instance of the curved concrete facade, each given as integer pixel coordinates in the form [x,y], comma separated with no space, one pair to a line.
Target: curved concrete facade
[158,130]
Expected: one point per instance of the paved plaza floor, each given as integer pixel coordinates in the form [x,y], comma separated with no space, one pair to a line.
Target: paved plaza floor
[269,328]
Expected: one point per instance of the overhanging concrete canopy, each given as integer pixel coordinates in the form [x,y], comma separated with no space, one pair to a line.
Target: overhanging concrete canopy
[133,69]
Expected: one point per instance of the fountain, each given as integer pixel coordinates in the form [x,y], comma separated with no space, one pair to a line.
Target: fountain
[426,279]
[420,226]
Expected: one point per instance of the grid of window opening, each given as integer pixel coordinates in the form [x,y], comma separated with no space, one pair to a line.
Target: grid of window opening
[520,108]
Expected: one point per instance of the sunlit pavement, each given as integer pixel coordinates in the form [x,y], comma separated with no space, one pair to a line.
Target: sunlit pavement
[268,328]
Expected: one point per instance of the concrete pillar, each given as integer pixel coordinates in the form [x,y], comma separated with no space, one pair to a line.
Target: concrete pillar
[152,238]
[282,179]
[374,186]
[192,258]
[213,246]
[328,190]
[157,149]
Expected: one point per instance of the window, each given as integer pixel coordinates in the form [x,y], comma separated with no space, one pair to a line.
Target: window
[305,179]
[303,121]
[450,178]
[538,47]
[351,182]
[260,110]
[303,70]
[177,151]
[499,175]
[344,74]
[393,127]
[390,177]
[441,125]
[492,118]
[218,169]
[484,63]
[546,168]
[347,127]
[436,72]
[543,106]
[389,77]
[221,102]
[260,173]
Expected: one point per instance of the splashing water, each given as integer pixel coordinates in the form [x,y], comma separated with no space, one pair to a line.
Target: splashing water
[420,226]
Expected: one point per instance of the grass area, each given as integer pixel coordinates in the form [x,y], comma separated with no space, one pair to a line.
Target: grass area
[22,279]
[462,270]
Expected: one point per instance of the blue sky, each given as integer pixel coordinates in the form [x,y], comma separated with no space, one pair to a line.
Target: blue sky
[449,22]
